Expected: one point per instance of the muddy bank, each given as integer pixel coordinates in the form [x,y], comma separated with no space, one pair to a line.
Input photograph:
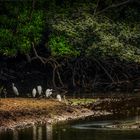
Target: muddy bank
[19,113]
[123,105]
[24,112]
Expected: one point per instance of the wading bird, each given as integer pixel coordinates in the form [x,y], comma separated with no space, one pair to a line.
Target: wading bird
[48,93]
[34,92]
[15,90]
[58,97]
[51,91]
[39,90]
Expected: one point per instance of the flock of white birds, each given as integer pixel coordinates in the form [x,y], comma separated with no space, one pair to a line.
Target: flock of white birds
[38,92]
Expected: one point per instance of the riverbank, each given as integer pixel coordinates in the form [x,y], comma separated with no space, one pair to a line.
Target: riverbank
[17,113]
[22,112]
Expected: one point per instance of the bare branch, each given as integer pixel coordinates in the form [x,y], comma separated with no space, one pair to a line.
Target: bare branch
[36,54]
[59,77]
[107,73]
[33,6]
[114,6]
[96,7]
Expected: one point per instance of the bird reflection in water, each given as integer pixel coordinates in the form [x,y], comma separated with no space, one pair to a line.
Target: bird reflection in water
[15,135]
[33,133]
[49,130]
[40,133]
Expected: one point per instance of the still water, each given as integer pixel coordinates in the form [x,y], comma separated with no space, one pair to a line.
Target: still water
[80,130]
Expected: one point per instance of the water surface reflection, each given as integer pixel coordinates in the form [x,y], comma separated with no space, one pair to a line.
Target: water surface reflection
[79,131]
[42,132]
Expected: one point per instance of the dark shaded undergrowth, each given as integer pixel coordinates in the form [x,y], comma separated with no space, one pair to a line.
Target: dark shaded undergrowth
[74,75]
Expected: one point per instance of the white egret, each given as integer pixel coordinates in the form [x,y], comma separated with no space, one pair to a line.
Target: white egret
[15,90]
[51,91]
[58,97]
[34,92]
[48,93]
[39,90]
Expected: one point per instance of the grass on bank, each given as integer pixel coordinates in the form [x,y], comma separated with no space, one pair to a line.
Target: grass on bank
[82,101]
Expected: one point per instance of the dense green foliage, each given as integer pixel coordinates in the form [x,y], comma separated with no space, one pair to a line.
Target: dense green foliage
[20,27]
[77,28]
[100,35]
[60,47]
[70,44]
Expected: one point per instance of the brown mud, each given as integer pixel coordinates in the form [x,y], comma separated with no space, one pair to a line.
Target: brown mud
[22,112]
